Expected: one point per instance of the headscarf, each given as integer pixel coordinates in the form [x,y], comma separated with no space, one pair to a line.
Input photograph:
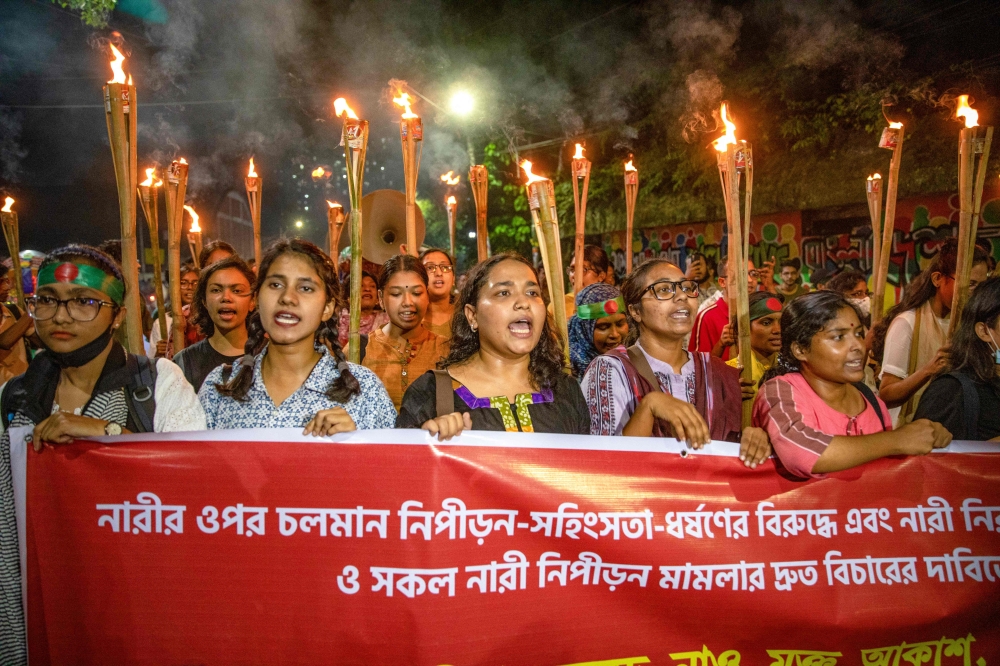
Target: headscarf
[581,331]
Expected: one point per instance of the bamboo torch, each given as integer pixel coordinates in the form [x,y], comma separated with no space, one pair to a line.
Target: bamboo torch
[335,227]
[149,198]
[581,172]
[411,132]
[734,158]
[255,187]
[194,237]
[631,191]
[120,111]
[354,138]
[177,177]
[479,180]
[542,201]
[873,189]
[892,139]
[452,207]
[11,232]
[970,199]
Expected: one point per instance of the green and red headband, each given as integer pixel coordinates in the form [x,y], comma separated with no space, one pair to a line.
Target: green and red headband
[602,309]
[83,275]
[765,307]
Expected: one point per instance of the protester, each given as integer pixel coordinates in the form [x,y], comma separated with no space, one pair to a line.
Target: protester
[215,251]
[791,286]
[765,336]
[505,367]
[853,285]
[966,400]
[222,302]
[817,411]
[440,287]
[295,373]
[656,388]
[83,385]
[595,269]
[820,277]
[15,326]
[403,349]
[703,270]
[192,334]
[370,317]
[713,315]
[598,326]
[911,359]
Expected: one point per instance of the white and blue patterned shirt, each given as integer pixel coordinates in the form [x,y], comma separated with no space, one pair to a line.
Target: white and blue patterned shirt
[370,409]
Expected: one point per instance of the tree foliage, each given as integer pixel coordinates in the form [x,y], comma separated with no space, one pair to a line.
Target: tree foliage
[94,13]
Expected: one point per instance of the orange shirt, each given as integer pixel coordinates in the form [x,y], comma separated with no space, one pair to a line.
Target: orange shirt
[399,362]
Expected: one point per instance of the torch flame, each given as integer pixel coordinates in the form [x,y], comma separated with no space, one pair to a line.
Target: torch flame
[730,135]
[340,107]
[629,167]
[333,204]
[404,101]
[877,176]
[149,178]
[116,66]
[965,111]
[318,172]
[182,161]
[532,178]
[451,201]
[578,155]
[450,178]
[195,228]
[7,204]
[896,125]
[130,79]
[252,173]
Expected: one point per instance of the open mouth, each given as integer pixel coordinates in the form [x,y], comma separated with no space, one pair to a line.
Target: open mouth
[520,328]
[226,314]
[286,319]
[683,314]
[407,315]
[856,365]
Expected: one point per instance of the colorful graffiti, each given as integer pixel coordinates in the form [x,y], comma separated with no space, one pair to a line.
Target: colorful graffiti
[923,223]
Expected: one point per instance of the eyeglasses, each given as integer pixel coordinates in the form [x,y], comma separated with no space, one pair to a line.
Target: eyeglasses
[664,290]
[43,308]
[860,293]
[189,283]
[444,269]
[753,273]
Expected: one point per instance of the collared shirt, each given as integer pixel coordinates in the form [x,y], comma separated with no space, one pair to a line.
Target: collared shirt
[708,327]
[369,409]
[399,362]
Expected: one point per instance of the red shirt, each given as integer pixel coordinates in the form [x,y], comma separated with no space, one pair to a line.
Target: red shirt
[708,327]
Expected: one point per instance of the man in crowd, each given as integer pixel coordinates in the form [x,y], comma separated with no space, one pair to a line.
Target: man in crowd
[707,333]
[702,270]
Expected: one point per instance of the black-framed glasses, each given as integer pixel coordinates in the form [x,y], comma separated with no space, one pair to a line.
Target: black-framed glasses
[43,308]
[755,274]
[444,269]
[664,290]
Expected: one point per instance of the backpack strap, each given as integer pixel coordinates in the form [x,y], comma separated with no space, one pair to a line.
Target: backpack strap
[872,400]
[140,391]
[970,404]
[444,393]
[641,365]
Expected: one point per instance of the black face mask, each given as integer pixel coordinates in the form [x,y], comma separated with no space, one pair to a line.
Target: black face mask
[83,355]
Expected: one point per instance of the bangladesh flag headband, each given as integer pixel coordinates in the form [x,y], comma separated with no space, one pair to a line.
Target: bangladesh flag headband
[85,276]
[602,309]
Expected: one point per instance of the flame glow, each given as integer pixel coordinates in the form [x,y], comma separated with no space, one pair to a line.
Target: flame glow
[730,136]
[532,178]
[182,161]
[333,204]
[340,107]
[965,111]
[896,125]
[252,173]
[578,155]
[195,228]
[450,178]
[149,178]
[319,172]
[451,201]
[404,101]
[876,176]
[130,79]
[116,66]
[8,202]
[629,167]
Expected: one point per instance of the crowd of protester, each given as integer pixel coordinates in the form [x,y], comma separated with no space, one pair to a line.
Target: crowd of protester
[653,356]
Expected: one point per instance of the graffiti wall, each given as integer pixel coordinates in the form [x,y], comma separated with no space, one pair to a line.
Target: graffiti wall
[922,224]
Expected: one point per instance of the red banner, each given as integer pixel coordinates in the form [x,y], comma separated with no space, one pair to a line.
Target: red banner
[383,547]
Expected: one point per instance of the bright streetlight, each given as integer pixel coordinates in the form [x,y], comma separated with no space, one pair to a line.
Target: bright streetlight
[298,224]
[462,103]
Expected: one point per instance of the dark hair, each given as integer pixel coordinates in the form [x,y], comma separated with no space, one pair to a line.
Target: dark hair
[112,248]
[401,263]
[844,282]
[432,250]
[791,263]
[632,288]
[968,352]
[343,387]
[802,319]
[212,247]
[921,290]
[595,256]
[199,309]
[546,361]
[188,267]
[89,253]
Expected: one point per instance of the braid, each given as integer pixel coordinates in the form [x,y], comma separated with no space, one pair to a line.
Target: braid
[783,364]
[239,383]
[346,385]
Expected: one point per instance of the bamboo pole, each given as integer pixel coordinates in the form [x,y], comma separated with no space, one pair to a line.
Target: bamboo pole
[177,177]
[892,138]
[149,198]
[335,228]
[451,206]
[12,233]
[970,193]
[873,190]
[255,190]
[411,133]
[631,192]
[581,172]
[977,196]
[354,138]
[479,181]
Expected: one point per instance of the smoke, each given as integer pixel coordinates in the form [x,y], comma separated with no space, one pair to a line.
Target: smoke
[11,152]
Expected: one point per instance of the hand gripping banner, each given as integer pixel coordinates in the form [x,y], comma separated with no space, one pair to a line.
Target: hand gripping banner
[503,548]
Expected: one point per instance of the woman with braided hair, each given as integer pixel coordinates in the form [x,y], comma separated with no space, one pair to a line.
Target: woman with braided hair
[814,405]
[297,375]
